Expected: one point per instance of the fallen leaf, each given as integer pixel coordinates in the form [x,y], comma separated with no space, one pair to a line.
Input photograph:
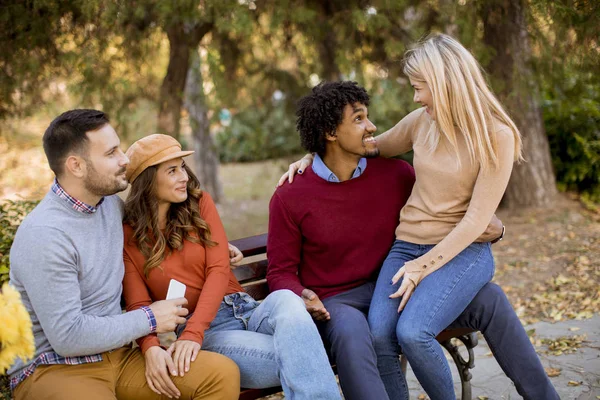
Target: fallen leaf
[564,344]
[482,397]
[574,329]
[574,383]
[552,372]
[421,397]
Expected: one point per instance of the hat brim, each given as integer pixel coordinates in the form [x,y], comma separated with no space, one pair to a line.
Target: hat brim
[172,156]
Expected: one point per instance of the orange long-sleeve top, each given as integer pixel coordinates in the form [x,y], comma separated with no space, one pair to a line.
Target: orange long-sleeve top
[204,270]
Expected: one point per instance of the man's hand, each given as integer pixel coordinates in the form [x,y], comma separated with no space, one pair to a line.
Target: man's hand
[158,365]
[315,306]
[168,314]
[493,231]
[235,256]
[183,352]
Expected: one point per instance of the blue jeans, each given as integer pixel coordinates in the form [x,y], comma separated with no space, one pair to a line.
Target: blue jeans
[436,302]
[351,347]
[273,343]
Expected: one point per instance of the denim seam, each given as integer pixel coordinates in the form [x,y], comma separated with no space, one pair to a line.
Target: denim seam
[455,282]
[229,349]
[282,374]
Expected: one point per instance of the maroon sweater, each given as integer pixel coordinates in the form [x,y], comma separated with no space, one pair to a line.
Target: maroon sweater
[332,237]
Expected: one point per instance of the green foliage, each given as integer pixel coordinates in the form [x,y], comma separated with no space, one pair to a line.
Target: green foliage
[11,215]
[4,388]
[258,134]
[572,120]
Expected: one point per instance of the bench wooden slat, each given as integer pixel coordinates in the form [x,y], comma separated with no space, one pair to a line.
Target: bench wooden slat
[252,245]
[251,271]
[252,394]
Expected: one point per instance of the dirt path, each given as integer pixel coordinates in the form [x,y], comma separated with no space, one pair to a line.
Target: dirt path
[549,263]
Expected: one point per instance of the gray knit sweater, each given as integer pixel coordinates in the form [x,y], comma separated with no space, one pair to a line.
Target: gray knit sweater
[68,267]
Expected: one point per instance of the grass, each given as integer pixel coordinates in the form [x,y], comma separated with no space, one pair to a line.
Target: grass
[248,189]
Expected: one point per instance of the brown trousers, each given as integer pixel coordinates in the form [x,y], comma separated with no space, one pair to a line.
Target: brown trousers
[121,375]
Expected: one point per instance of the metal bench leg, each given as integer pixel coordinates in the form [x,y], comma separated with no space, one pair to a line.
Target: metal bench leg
[463,366]
[403,363]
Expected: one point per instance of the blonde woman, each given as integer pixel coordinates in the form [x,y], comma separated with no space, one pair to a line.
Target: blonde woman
[464,146]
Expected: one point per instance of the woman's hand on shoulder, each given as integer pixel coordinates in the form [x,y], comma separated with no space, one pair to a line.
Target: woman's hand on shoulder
[158,365]
[298,166]
[183,352]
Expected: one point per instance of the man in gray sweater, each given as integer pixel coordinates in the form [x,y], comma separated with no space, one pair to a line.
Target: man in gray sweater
[67,263]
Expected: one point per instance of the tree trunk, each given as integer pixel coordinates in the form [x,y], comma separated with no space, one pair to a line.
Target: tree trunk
[182,40]
[505,29]
[206,159]
[171,90]
[327,45]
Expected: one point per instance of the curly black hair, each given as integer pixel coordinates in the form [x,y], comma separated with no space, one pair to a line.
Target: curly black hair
[320,112]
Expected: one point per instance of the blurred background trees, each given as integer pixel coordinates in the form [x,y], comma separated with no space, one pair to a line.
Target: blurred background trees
[224,76]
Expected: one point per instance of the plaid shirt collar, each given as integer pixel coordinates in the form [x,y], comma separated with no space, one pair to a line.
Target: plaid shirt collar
[76,204]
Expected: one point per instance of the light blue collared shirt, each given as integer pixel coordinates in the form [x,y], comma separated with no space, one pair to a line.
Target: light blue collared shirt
[323,172]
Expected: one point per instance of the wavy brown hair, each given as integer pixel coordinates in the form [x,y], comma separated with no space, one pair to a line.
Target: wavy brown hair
[183,219]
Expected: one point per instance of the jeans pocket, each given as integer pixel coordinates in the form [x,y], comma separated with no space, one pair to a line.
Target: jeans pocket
[243,306]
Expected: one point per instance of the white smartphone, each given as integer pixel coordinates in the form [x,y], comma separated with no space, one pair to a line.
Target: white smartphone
[176,290]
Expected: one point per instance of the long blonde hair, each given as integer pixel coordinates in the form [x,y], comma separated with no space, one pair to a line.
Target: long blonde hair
[184,221]
[463,104]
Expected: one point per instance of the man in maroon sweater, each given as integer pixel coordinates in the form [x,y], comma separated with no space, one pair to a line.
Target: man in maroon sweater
[331,230]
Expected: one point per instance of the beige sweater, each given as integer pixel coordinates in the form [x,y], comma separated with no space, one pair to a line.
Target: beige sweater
[448,206]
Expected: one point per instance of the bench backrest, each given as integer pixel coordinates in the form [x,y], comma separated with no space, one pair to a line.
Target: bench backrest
[253,271]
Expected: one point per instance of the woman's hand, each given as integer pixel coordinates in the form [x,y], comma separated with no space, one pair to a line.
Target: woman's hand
[235,256]
[184,352]
[407,287]
[158,365]
[299,166]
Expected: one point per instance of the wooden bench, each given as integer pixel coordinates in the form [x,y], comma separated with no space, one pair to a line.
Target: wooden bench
[252,276]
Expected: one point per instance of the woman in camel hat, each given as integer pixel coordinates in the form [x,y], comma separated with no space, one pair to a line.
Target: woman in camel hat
[173,231]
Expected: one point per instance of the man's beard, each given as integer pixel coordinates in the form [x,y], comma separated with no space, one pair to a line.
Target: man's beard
[371,153]
[103,185]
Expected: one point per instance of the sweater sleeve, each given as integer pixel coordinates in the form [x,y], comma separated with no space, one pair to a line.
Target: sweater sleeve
[216,272]
[487,193]
[399,139]
[136,296]
[51,278]
[283,248]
